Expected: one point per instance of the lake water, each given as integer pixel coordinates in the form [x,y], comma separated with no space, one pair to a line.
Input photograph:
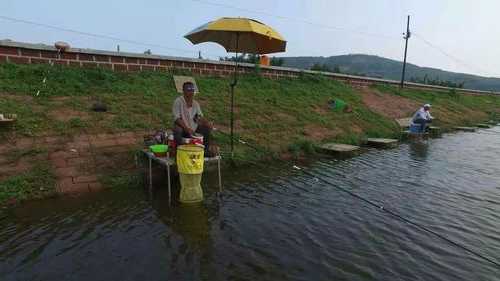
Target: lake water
[275,223]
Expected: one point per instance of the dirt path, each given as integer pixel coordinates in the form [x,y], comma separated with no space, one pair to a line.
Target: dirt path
[388,105]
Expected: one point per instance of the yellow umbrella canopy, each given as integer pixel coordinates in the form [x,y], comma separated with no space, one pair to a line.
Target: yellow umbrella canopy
[241,35]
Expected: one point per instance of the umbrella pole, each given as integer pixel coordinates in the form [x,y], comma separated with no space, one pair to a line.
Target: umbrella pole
[233,84]
[232,115]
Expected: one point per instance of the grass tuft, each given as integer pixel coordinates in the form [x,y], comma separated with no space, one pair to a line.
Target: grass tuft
[37,183]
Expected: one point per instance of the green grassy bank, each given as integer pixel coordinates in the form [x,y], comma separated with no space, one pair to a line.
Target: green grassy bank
[281,117]
[273,114]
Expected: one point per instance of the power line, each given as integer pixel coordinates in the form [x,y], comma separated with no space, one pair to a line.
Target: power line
[359,32]
[95,35]
[107,37]
[114,38]
[455,59]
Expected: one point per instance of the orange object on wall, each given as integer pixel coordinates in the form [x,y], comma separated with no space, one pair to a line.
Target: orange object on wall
[264,60]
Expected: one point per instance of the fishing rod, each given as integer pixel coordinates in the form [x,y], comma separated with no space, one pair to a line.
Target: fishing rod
[241,141]
[385,210]
[490,132]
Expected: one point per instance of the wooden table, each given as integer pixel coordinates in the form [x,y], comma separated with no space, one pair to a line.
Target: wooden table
[168,162]
[7,122]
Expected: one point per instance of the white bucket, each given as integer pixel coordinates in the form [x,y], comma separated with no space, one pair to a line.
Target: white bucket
[196,139]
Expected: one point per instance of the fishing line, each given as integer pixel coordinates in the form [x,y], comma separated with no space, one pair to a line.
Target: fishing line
[490,132]
[380,207]
[385,210]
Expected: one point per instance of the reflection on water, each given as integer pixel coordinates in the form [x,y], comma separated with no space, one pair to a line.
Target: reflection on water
[274,223]
[419,149]
[191,222]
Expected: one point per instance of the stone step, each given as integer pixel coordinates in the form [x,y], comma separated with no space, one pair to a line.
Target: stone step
[435,131]
[342,150]
[382,143]
[466,129]
[484,126]
[404,122]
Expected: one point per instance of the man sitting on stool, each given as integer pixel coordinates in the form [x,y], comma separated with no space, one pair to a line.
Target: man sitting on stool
[422,117]
[188,118]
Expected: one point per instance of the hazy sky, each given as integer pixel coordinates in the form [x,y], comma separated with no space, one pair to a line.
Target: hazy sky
[465,33]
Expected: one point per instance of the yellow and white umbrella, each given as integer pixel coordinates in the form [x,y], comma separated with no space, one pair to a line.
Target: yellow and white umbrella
[239,35]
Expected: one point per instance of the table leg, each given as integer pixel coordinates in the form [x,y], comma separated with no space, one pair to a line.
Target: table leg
[220,180]
[169,187]
[150,175]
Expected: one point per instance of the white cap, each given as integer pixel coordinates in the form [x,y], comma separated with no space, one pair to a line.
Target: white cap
[427,105]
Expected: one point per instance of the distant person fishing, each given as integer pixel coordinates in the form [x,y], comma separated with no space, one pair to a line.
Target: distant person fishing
[422,117]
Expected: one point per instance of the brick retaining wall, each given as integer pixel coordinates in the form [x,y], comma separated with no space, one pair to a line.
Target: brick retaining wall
[21,53]
[77,161]
[24,53]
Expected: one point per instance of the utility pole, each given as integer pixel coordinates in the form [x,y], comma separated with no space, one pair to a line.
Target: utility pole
[407,36]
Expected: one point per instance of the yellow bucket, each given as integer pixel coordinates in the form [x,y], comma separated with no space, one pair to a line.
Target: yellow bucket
[190,159]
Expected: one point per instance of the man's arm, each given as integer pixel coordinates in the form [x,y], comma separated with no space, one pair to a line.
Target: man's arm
[202,120]
[183,125]
[205,123]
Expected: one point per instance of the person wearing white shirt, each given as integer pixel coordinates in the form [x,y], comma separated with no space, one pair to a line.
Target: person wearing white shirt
[188,117]
[422,117]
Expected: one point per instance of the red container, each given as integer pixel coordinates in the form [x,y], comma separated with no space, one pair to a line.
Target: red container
[160,154]
[197,139]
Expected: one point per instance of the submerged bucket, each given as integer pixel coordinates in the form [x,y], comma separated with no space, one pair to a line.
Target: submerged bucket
[191,191]
[190,160]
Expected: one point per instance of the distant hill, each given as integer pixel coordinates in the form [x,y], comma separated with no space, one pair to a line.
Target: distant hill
[374,66]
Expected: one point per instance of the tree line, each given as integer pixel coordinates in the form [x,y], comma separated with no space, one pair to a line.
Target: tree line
[437,82]
[335,69]
[425,80]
